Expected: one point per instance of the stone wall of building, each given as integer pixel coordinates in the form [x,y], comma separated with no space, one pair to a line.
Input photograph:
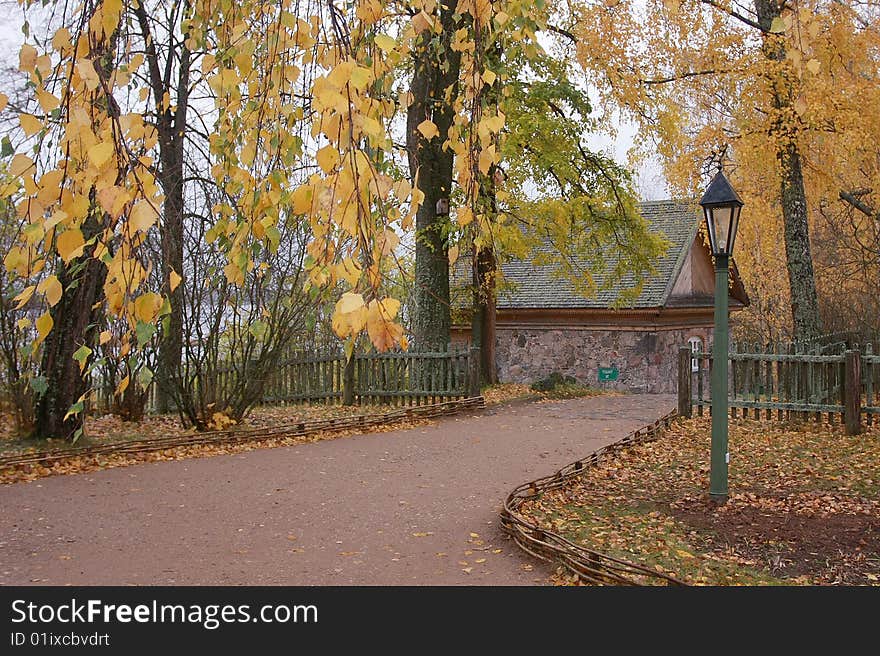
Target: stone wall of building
[646,359]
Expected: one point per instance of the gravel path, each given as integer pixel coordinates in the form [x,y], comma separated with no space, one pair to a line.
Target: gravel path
[409,507]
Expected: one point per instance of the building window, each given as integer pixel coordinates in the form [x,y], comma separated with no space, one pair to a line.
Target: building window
[696,345]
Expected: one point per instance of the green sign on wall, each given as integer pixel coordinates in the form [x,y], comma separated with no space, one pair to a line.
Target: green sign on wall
[608,374]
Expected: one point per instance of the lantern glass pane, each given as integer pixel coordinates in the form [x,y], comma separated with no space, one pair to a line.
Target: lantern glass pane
[721,217]
[733,229]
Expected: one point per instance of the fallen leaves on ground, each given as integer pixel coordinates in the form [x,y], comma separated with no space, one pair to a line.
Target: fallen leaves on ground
[267,417]
[804,506]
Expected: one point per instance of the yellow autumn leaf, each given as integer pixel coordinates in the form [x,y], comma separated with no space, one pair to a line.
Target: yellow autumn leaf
[389,307]
[24,296]
[4,99]
[20,163]
[16,260]
[44,326]
[302,199]
[372,128]
[51,288]
[27,58]
[113,199]
[453,254]
[360,77]
[100,153]
[47,101]
[173,280]
[123,385]
[385,42]
[487,158]
[489,77]
[428,129]
[495,123]
[69,244]
[30,124]
[422,21]
[105,337]
[349,303]
[813,66]
[233,274]
[61,40]
[87,72]
[327,158]
[142,217]
[383,332]
[350,271]
[147,306]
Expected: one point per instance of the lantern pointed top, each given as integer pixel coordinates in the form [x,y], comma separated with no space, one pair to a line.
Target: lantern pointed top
[720,192]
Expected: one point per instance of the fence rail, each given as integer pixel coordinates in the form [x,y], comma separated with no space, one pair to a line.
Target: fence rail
[787,385]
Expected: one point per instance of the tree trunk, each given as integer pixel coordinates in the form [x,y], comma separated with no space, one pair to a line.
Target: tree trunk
[485,264]
[483,326]
[801,279]
[171,128]
[434,85]
[76,316]
[75,324]
[171,346]
[793,195]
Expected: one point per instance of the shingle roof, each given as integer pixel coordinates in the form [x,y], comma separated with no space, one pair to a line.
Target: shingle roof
[539,286]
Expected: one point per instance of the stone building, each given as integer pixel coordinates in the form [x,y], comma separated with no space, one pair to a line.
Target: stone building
[543,326]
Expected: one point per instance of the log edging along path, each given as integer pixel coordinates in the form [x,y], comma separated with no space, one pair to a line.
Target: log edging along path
[591,566]
[297,429]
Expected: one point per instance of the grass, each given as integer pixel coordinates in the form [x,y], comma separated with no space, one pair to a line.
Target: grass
[507,392]
[804,506]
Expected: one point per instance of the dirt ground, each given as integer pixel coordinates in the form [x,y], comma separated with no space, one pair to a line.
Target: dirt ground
[416,506]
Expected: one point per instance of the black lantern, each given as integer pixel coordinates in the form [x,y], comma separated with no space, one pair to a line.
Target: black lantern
[721,206]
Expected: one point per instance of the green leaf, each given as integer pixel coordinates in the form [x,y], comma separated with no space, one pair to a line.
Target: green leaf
[145,332]
[259,329]
[39,385]
[82,354]
[145,376]
[6,149]
[75,409]
[274,237]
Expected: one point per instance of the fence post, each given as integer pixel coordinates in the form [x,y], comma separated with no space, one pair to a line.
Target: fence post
[473,372]
[852,385]
[348,382]
[684,381]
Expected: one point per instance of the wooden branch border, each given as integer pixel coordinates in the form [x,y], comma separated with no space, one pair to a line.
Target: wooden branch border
[591,566]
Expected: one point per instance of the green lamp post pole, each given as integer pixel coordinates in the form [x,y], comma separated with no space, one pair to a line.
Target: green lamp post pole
[721,207]
[720,453]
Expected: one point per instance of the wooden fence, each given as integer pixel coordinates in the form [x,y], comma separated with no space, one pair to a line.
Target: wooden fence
[780,383]
[391,378]
[398,379]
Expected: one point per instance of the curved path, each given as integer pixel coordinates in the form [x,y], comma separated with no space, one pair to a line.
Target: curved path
[410,507]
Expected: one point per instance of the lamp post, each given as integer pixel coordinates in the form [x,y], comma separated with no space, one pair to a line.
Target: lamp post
[721,207]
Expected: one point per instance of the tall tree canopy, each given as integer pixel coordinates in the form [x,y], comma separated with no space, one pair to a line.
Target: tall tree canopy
[785,93]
